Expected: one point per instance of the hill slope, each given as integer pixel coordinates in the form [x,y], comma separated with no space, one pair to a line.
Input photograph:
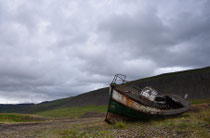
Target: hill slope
[194,82]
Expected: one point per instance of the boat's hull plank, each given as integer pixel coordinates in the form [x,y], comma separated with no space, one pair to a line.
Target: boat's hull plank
[133,104]
[112,117]
[124,111]
[122,107]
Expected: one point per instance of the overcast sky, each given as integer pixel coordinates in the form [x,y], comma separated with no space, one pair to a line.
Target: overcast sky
[51,49]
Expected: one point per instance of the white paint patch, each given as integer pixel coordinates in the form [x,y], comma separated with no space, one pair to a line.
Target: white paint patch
[132,104]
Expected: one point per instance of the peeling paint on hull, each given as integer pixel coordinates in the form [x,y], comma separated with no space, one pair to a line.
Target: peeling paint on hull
[118,111]
[122,107]
[132,104]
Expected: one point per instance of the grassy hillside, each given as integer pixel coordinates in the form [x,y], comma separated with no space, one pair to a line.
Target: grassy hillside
[13,107]
[73,112]
[31,108]
[12,117]
[96,97]
[194,82]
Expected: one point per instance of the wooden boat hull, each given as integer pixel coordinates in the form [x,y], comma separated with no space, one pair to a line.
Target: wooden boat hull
[122,107]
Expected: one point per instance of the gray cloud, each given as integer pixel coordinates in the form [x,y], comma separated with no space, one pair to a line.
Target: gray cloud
[181,35]
[54,49]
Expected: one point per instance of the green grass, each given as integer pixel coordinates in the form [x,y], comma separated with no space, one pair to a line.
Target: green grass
[120,124]
[12,117]
[50,105]
[73,112]
[200,101]
[189,124]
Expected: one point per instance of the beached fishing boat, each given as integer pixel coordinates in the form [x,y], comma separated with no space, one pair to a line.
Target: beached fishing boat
[128,102]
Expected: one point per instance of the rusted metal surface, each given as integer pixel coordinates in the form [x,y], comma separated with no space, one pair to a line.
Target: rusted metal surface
[133,104]
[112,118]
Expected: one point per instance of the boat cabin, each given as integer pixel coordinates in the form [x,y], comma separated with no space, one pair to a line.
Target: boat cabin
[149,93]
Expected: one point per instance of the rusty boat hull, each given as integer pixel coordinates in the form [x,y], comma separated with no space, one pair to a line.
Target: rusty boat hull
[126,104]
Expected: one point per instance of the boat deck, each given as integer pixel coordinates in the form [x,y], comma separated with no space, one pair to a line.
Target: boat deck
[133,92]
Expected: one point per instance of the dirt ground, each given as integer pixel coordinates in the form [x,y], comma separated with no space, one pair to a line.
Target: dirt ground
[20,130]
[191,124]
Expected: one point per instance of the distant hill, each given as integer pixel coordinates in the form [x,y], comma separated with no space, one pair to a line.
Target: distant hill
[196,83]
[13,107]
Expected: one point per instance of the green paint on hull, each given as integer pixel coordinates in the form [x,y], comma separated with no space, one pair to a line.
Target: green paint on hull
[122,110]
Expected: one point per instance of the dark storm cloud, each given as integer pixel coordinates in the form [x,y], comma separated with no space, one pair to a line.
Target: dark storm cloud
[183,36]
[51,49]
